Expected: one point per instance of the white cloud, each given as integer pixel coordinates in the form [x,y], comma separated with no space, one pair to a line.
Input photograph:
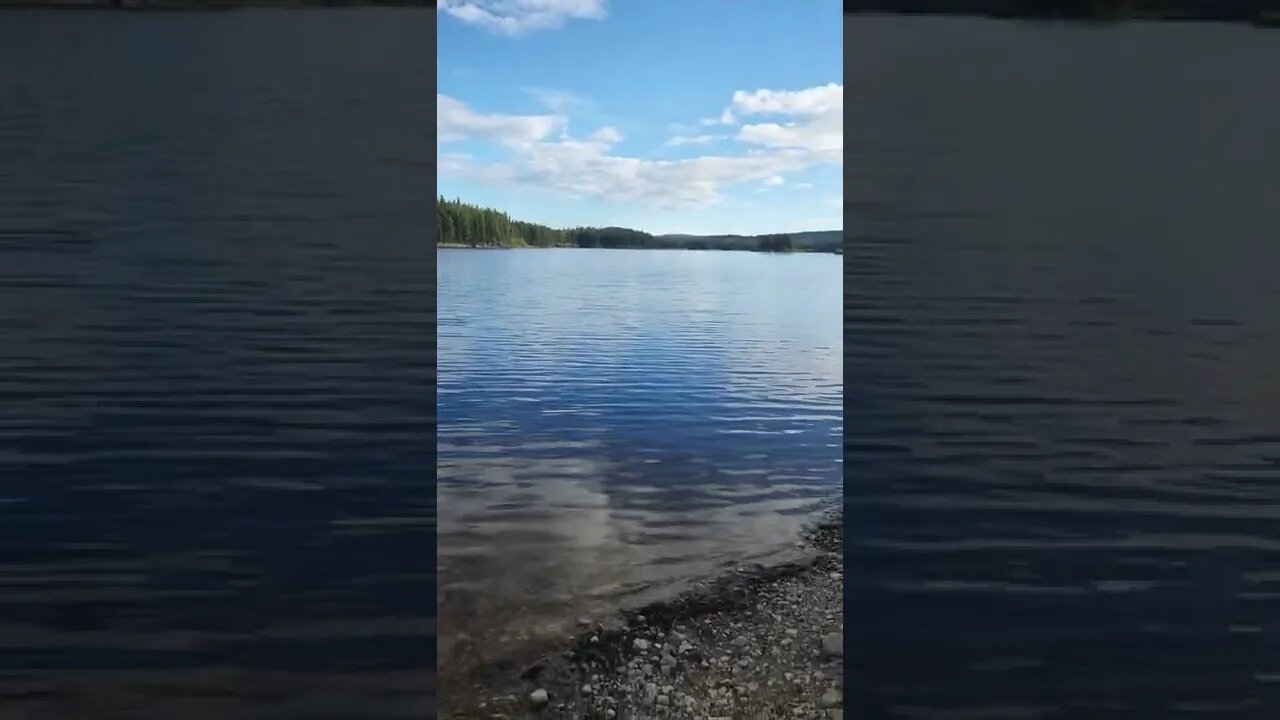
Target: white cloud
[811,101]
[679,140]
[518,17]
[591,167]
[455,121]
[802,186]
[816,117]
[560,102]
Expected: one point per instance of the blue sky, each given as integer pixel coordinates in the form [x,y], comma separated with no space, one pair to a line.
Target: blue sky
[670,116]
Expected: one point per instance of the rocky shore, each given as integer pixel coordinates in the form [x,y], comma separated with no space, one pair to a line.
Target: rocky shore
[762,642]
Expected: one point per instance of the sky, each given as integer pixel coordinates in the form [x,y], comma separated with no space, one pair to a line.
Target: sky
[704,117]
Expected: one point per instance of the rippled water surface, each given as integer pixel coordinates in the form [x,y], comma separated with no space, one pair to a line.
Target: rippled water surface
[616,422]
[215,381]
[1063,447]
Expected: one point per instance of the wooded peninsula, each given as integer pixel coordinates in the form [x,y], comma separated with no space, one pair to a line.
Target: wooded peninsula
[460,224]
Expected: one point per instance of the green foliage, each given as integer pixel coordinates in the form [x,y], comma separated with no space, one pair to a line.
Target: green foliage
[459,223]
[776,243]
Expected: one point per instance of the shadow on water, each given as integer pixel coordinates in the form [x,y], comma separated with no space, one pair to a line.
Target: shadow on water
[215,378]
[1063,402]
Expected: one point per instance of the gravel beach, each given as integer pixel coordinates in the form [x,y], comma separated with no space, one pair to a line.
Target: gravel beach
[761,642]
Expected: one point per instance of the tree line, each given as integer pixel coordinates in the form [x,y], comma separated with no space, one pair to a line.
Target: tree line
[465,224]
[1261,11]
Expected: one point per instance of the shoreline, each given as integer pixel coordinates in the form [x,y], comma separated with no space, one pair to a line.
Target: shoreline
[760,642]
[1266,18]
[454,246]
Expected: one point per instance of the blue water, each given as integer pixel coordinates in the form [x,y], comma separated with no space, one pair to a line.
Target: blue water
[216,494]
[615,423]
[1063,409]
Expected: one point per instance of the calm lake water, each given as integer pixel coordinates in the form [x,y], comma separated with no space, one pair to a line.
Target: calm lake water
[614,423]
[216,400]
[1063,407]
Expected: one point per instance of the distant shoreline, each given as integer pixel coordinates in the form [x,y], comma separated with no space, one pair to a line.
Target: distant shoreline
[1082,11]
[455,246]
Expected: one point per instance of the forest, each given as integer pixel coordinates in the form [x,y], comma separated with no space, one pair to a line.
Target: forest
[467,225]
[1262,12]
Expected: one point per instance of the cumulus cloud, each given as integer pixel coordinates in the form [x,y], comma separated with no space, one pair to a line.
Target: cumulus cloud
[456,121]
[679,140]
[814,118]
[544,155]
[560,101]
[519,17]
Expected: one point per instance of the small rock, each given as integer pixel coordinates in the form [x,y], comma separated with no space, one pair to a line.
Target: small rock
[641,644]
[830,698]
[538,697]
[584,621]
[791,632]
[833,645]
[664,700]
[586,689]
[740,641]
[685,647]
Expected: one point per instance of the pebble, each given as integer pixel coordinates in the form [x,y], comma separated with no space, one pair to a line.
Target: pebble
[833,644]
[538,697]
[641,644]
[831,698]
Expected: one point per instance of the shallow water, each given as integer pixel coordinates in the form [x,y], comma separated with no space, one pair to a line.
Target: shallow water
[215,377]
[1063,408]
[614,423]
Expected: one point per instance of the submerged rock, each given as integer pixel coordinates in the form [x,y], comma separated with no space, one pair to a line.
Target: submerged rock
[833,644]
[538,698]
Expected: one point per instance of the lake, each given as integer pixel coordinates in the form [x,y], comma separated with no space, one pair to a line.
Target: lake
[617,423]
[1063,406]
[216,399]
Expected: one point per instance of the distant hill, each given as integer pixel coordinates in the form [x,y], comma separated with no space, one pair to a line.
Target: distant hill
[461,224]
[1261,12]
[812,241]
